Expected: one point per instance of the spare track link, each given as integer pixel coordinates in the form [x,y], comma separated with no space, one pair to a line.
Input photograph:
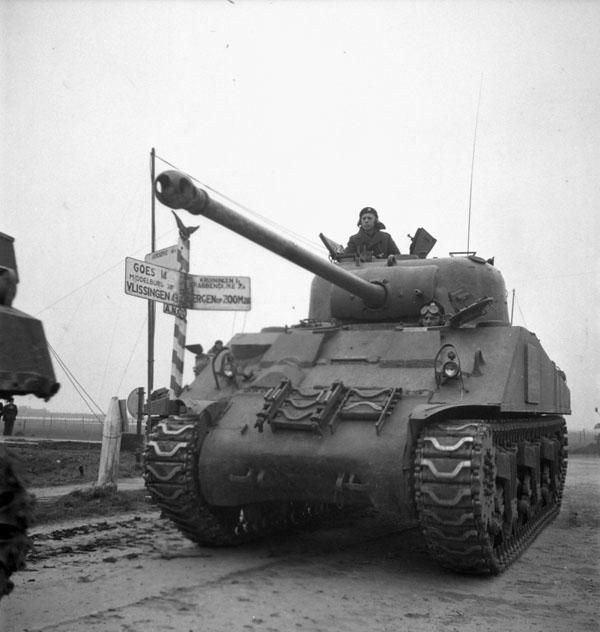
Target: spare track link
[468,521]
[15,514]
[171,474]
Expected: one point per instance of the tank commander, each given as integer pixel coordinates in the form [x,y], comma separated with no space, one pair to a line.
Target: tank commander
[216,348]
[370,238]
[432,315]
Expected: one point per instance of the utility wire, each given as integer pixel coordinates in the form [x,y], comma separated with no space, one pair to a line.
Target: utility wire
[521,312]
[101,274]
[71,377]
[473,164]
[79,388]
[307,242]
[110,348]
[80,287]
[76,384]
[137,340]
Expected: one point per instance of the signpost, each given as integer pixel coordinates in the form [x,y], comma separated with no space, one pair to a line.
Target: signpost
[158,283]
[170,257]
[149,281]
[164,277]
[166,257]
[219,293]
[173,310]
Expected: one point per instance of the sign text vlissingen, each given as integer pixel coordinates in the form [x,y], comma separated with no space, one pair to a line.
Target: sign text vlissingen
[219,292]
[147,280]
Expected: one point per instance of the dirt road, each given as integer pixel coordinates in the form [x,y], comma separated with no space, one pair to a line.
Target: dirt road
[136,573]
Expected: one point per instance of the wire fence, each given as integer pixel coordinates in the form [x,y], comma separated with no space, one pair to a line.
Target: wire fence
[582,438]
[88,428]
[82,428]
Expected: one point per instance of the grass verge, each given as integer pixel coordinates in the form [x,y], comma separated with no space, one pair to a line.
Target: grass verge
[45,465]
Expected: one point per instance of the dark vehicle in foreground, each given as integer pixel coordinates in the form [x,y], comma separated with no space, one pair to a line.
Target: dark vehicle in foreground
[25,368]
[458,425]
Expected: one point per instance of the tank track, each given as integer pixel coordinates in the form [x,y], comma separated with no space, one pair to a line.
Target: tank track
[15,514]
[172,478]
[473,519]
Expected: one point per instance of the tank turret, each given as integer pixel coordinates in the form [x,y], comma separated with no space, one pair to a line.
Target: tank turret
[350,289]
[406,389]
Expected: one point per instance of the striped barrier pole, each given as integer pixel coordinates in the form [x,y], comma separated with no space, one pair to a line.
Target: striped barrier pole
[179,331]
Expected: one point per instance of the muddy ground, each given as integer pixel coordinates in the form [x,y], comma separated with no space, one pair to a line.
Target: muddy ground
[134,572]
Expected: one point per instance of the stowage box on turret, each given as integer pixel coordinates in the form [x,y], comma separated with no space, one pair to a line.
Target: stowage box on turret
[406,388]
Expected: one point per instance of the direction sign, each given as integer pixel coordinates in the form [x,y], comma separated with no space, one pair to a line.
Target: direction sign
[149,281]
[166,257]
[157,283]
[230,293]
[180,312]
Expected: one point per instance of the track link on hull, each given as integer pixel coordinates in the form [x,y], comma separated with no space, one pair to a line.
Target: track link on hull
[485,489]
[172,478]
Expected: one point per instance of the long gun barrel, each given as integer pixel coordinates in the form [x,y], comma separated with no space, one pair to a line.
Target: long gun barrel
[175,190]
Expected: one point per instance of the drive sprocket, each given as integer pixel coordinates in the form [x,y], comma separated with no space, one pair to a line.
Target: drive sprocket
[172,476]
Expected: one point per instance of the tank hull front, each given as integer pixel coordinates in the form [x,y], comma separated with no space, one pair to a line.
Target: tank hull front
[356,416]
[505,374]
[353,464]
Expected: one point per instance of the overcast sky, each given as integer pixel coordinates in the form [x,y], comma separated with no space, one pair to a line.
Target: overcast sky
[302,112]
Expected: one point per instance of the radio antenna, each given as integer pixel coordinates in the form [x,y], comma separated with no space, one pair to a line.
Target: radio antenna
[512,307]
[473,163]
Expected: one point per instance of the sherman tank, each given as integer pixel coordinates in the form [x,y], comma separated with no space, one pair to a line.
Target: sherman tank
[456,424]
[25,368]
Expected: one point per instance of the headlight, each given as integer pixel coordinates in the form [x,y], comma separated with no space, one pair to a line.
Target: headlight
[451,369]
[228,371]
[447,364]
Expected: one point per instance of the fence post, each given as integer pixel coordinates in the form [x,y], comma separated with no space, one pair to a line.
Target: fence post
[108,470]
